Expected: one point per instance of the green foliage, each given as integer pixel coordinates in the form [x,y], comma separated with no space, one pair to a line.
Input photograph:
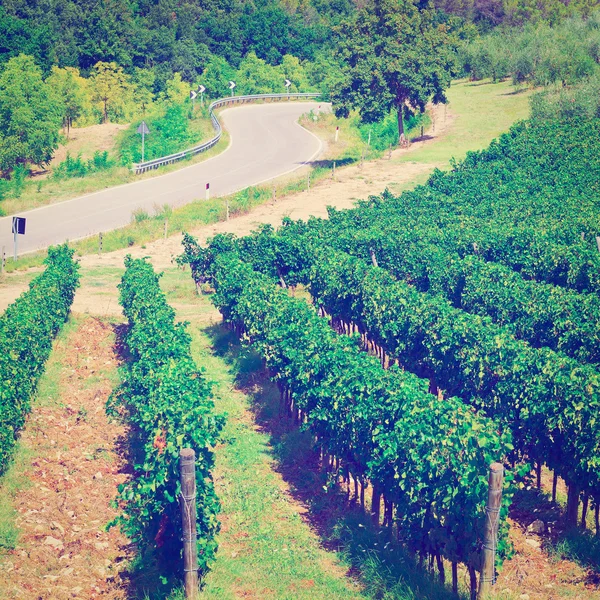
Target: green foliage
[17,179]
[216,77]
[30,115]
[486,14]
[393,56]
[429,458]
[77,167]
[385,132]
[73,93]
[173,37]
[255,76]
[450,302]
[27,329]
[110,87]
[538,54]
[168,406]
[169,132]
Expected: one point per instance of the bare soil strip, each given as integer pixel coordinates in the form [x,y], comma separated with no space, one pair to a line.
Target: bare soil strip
[64,550]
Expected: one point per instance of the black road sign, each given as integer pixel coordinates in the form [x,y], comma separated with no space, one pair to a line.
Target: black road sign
[18,225]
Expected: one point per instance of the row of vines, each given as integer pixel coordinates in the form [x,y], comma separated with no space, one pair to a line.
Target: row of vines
[428,461]
[486,287]
[481,284]
[167,404]
[27,330]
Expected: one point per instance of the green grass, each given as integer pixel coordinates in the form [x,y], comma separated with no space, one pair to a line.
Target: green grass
[482,111]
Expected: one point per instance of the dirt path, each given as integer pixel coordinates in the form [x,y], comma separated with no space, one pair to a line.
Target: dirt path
[63,549]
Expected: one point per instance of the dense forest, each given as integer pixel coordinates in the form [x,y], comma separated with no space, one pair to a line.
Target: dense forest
[98,61]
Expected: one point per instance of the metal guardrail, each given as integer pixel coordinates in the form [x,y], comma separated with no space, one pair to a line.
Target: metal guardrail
[138,168]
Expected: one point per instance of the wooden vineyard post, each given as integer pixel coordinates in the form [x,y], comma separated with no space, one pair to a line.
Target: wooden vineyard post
[373,257]
[492,516]
[187,465]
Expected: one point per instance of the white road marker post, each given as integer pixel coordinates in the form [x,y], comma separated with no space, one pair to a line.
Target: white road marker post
[337,133]
[231,87]
[208,191]
[143,129]
[287,87]
[201,90]
[193,95]
[227,207]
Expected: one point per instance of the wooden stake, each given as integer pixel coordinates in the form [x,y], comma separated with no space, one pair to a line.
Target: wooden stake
[187,463]
[582,236]
[584,510]
[492,511]
[373,257]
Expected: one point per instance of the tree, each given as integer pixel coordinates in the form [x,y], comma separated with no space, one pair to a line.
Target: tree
[291,68]
[393,56]
[110,86]
[30,115]
[73,93]
[255,76]
[176,90]
[216,77]
[143,82]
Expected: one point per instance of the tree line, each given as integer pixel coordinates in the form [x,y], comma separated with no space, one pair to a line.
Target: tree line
[34,108]
[78,63]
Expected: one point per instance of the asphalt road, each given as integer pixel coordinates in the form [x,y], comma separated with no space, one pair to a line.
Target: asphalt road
[266,141]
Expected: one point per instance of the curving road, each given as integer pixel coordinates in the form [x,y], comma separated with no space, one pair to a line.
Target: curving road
[266,141]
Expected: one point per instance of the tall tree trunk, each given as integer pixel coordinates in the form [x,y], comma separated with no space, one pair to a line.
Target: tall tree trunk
[400,123]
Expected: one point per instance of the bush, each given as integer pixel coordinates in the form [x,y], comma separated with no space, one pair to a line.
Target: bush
[168,405]
[170,132]
[385,132]
[77,167]
[27,329]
